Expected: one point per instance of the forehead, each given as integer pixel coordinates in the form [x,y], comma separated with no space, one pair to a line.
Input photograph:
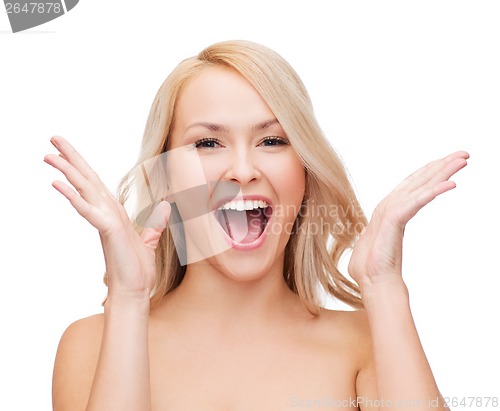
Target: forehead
[223,96]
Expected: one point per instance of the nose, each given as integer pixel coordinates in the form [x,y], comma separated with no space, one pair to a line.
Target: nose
[242,168]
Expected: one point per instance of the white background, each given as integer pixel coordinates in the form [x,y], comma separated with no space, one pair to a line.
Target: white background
[395,84]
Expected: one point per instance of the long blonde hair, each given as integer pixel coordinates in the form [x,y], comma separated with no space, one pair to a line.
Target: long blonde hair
[330,218]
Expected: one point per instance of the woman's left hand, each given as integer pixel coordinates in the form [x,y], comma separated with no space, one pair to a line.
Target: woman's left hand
[377,255]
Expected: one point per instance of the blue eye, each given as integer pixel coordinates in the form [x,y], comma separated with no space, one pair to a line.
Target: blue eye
[274,141]
[207,143]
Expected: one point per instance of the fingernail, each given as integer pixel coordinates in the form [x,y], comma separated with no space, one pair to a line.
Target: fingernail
[54,140]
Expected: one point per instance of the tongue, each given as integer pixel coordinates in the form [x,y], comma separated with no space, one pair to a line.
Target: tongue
[243,226]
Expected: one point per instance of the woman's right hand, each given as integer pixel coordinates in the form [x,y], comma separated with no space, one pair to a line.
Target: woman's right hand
[129,257]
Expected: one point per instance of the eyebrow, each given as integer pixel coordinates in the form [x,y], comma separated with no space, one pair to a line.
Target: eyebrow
[265,124]
[219,128]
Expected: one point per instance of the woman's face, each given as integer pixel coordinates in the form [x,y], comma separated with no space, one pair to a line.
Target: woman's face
[230,144]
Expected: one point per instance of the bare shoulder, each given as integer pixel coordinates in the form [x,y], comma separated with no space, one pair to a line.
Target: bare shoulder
[351,331]
[84,330]
[75,363]
[353,326]
[357,335]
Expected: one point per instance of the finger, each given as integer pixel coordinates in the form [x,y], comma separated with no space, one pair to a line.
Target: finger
[81,184]
[433,185]
[86,210]
[447,170]
[73,157]
[156,223]
[424,174]
[69,153]
[424,197]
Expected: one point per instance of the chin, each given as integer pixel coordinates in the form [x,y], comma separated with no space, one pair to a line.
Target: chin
[246,267]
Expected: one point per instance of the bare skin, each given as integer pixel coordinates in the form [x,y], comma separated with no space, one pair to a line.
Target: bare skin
[198,363]
[232,336]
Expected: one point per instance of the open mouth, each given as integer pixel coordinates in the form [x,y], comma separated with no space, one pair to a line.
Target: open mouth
[244,220]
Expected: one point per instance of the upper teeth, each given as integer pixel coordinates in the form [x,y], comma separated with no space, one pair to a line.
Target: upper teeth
[240,205]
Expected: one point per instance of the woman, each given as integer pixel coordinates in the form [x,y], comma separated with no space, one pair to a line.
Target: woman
[220,310]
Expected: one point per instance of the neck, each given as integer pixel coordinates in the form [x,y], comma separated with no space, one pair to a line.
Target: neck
[213,296]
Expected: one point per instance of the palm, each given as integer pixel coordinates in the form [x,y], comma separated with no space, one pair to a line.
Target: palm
[130,258]
[127,253]
[378,252]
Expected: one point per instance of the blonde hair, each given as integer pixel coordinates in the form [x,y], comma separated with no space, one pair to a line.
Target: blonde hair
[320,236]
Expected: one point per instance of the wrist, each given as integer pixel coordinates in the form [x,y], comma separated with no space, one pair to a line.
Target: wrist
[128,302]
[384,289]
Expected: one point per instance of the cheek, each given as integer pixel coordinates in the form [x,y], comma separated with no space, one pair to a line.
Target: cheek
[177,162]
[213,167]
[288,177]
